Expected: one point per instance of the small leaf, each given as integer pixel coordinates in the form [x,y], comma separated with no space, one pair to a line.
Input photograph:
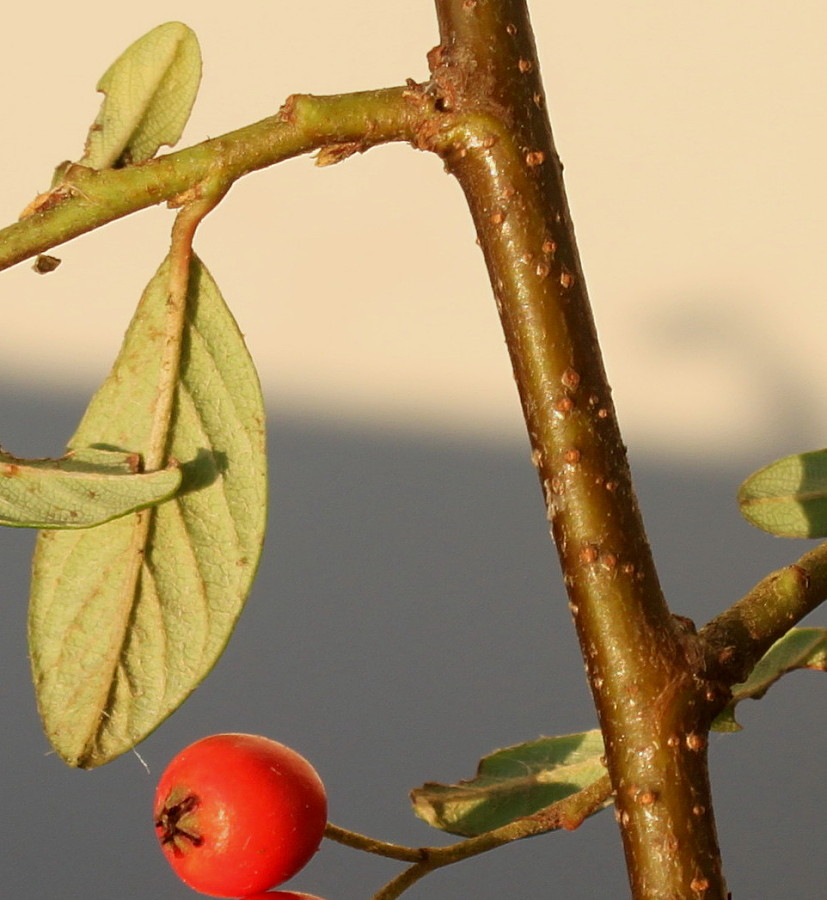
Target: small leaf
[81,489]
[788,497]
[800,648]
[150,91]
[512,783]
[126,619]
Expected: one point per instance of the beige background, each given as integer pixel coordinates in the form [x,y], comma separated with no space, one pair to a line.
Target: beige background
[693,139]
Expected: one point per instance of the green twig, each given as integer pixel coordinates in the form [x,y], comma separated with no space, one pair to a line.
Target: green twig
[89,198]
[568,813]
[371,845]
[735,640]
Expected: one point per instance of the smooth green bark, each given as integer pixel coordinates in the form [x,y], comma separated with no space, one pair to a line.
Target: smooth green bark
[86,199]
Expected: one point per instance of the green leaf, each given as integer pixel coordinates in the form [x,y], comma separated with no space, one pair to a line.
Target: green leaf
[126,619]
[149,93]
[83,488]
[788,497]
[511,783]
[800,648]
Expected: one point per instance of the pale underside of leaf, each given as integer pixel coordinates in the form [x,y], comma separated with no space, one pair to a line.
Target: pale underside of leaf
[149,94]
[788,498]
[127,618]
[512,783]
[800,648]
[79,490]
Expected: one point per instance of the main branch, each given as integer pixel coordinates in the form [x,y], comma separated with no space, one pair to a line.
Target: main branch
[642,664]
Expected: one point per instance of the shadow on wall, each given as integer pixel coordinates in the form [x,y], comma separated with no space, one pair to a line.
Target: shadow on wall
[409,618]
[727,385]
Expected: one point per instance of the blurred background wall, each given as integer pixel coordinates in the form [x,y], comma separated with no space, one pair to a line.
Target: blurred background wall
[409,616]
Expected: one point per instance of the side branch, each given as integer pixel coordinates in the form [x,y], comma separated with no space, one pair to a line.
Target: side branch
[735,640]
[568,813]
[89,198]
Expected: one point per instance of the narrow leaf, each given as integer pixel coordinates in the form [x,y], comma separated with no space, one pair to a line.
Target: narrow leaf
[512,783]
[788,497]
[149,93]
[800,648]
[126,619]
[83,488]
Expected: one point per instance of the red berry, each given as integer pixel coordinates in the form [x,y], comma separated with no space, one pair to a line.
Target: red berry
[237,814]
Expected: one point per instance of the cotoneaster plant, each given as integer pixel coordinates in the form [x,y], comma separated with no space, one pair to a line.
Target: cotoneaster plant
[156,514]
[237,814]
